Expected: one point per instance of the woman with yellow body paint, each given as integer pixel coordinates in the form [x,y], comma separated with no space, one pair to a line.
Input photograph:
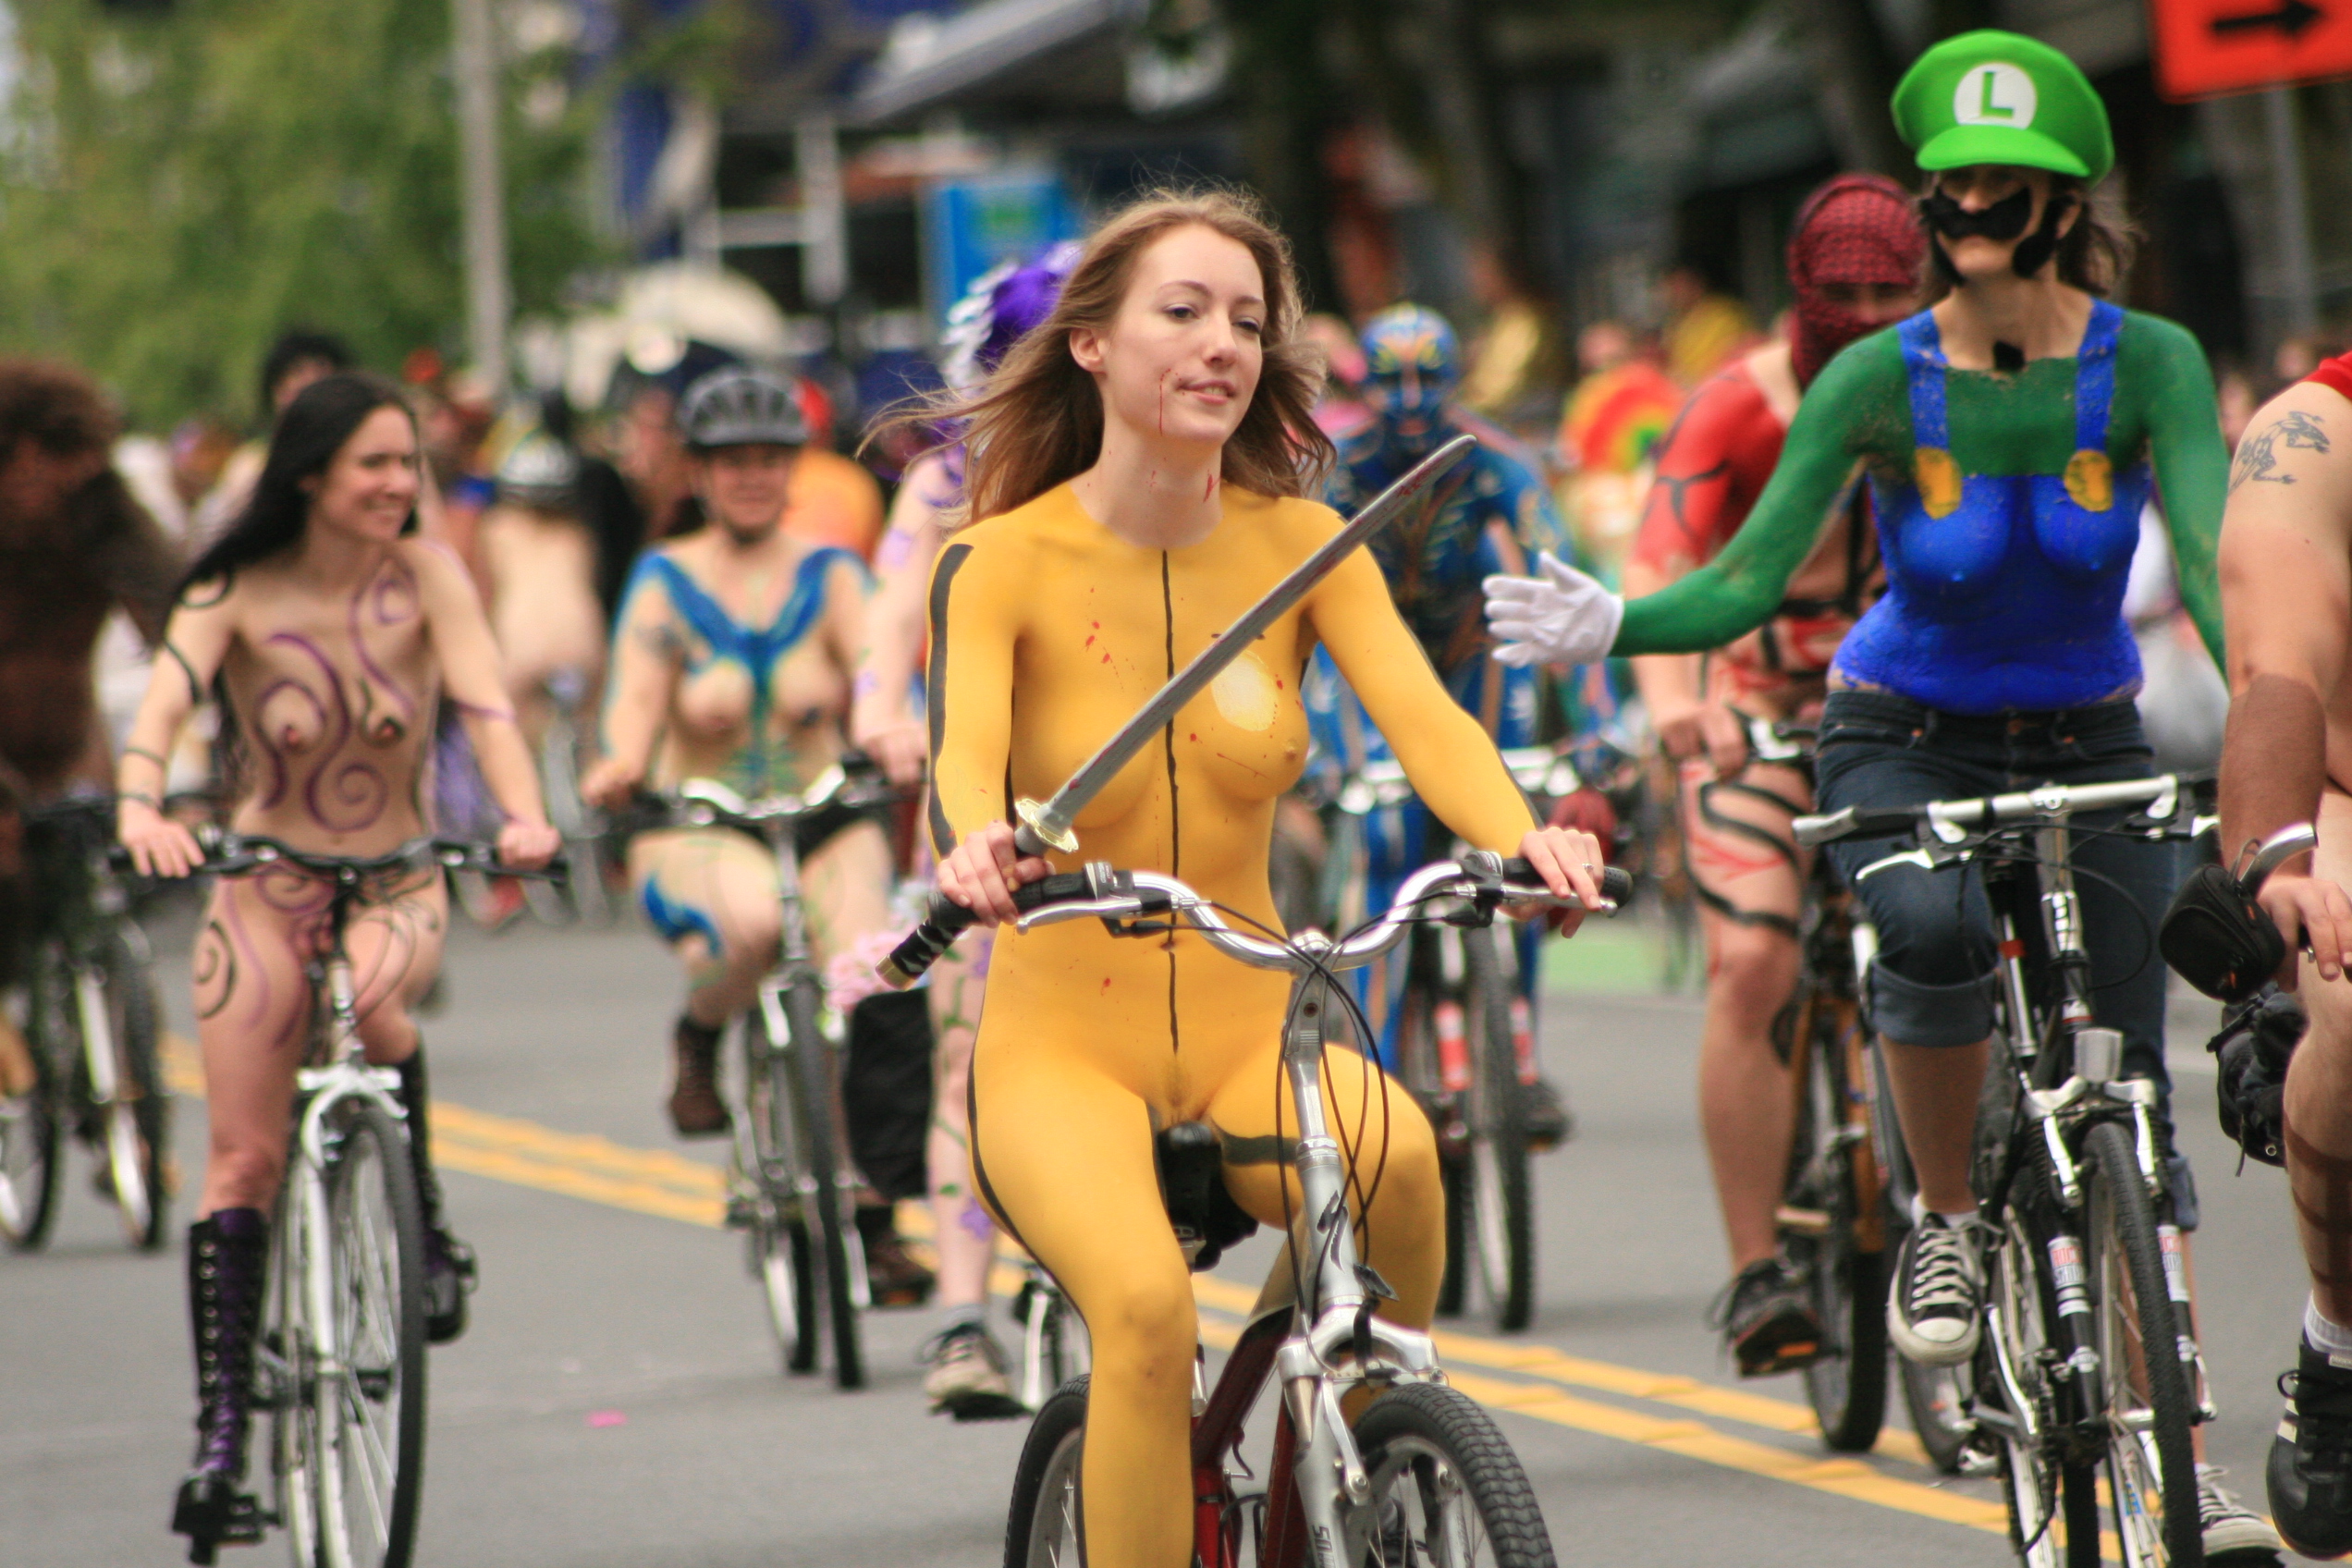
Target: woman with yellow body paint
[1136,466]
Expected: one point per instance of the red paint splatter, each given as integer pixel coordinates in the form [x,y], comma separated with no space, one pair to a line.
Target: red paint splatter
[1278,683]
[1239,764]
[1106,985]
[1191,736]
[1210,488]
[1106,655]
[1090,641]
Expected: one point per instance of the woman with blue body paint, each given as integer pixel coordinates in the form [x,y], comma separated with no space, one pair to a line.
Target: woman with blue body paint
[732,658]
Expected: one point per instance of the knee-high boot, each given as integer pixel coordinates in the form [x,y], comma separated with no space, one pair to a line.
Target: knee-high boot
[448,1263]
[227,1265]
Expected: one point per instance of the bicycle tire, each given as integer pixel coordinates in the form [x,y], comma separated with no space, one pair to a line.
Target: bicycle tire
[138,1123]
[1503,1207]
[375,1254]
[290,1391]
[781,1256]
[32,1131]
[2134,1309]
[822,1190]
[1846,1381]
[1042,1527]
[1428,1450]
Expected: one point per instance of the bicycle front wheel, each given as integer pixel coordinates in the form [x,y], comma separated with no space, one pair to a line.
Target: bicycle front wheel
[825,1197]
[782,1257]
[31,1130]
[287,1383]
[370,1388]
[138,1123]
[1502,1197]
[1446,1486]
[2150,1464]
[1045,1527]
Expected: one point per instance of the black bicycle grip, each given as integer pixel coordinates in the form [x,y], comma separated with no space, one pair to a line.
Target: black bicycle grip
[1616,884]
[943,921]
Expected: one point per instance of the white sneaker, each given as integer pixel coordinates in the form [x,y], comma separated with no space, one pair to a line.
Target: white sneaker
[1933,1312]
[2235,1536]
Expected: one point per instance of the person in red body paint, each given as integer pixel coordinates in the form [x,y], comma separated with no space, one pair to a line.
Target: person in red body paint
[1854,262]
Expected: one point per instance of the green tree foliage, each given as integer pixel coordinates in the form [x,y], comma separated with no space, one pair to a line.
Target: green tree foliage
[176,190]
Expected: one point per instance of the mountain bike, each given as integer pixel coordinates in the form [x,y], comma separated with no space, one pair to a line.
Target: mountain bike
[2087,1378]
[1465,1050]
[790,1186]
[339,1362]
[1424,1476]
[89,1025]
[583,895]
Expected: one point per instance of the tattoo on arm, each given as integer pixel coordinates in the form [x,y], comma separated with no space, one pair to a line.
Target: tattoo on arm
[2257,454]
[143,752]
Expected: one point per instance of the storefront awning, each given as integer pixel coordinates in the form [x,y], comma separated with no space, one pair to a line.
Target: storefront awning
[931,61]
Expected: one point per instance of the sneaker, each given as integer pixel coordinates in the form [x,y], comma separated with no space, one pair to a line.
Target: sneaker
[2235,1536]
[893,1276]
[1768,1319]
[2310,1470]
[1932,1312]
[968,1378]
[449,1280]
[1543,1115]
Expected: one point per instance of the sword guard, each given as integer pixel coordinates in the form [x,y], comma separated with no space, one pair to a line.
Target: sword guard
[1035,837]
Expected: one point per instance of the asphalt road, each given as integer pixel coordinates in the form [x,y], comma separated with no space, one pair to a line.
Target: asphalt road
[617,1402]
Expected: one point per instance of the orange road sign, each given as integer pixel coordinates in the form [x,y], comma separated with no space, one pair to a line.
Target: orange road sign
[2208,47]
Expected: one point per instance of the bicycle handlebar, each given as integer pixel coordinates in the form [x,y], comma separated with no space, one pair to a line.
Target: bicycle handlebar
[706,803]
[238,854]
[1539,770]
[1949,820]
[1103,893]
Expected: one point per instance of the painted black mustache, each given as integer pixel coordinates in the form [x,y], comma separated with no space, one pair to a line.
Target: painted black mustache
[2005,219]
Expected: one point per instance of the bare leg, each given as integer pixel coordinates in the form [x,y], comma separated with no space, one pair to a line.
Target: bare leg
[1935,1100]
[965,1236]
[253,1001]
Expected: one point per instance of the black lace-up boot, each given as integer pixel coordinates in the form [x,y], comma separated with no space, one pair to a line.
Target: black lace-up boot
[448,1262]
[227,1261]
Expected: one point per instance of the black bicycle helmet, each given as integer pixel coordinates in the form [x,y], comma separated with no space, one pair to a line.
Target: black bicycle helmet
[739,406]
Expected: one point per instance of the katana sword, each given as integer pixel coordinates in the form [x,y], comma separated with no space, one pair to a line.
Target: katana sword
[1048,826]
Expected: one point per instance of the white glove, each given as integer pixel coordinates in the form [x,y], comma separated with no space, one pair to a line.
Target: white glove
[1562,617]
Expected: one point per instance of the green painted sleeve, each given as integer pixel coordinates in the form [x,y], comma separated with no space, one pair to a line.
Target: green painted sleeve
[2164,371]
[1738,591]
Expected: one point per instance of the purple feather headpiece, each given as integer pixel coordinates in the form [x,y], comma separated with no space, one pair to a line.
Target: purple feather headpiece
[1002,306]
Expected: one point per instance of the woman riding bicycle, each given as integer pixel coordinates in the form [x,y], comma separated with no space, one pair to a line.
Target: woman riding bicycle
[332,635]
[1137,465]
[732,660]
[2008,433]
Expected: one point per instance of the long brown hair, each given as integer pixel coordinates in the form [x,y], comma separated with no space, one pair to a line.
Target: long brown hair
[1038,421]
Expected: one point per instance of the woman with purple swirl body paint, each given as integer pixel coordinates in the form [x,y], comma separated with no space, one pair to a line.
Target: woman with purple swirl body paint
[332,635]
[968,1378]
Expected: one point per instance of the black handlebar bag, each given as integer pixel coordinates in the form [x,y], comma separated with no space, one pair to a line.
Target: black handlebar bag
[2219,940]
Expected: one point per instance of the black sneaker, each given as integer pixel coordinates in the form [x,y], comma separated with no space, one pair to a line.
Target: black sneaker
[1543,1115]
[449,1280]
[1939,1293]
[2311,1471]
[1768,1320]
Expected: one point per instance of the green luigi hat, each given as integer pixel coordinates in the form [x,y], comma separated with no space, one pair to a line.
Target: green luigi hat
[1992,97]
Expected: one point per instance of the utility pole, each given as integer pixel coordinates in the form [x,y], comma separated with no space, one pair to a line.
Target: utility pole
[2297,273]
[475,66]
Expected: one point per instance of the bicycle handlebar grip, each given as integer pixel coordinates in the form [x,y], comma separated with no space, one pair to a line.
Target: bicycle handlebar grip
[1616,883]
[943,921]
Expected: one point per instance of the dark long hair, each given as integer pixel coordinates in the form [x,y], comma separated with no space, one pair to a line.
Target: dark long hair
[312,430]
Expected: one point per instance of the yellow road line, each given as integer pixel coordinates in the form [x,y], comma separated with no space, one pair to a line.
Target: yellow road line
[670,1186]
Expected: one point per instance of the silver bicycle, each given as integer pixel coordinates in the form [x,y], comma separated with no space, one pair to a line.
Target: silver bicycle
[1424,1478]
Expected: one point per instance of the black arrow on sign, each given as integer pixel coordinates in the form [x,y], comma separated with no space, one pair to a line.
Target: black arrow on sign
[2292,19]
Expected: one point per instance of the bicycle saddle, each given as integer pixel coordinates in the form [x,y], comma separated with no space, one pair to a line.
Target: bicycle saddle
[1191,1160]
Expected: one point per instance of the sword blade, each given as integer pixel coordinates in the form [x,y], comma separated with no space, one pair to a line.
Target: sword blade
[1050,826]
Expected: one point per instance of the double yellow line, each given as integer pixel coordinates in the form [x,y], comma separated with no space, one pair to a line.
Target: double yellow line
[1532,1380]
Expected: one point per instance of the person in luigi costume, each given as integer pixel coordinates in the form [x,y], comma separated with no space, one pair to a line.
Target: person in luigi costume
[2011,433]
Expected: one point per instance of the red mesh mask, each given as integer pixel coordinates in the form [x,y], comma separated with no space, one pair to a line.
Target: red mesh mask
[1858,229]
